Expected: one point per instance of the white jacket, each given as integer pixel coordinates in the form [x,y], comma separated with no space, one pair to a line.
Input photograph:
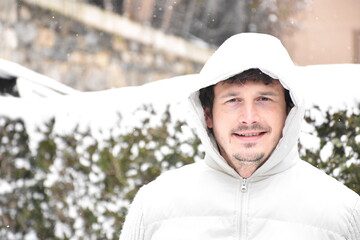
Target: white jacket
[286,198]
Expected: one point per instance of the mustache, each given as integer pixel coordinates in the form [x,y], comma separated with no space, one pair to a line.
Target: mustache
[253,127]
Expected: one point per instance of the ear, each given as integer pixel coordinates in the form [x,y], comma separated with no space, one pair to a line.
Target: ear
[208,117]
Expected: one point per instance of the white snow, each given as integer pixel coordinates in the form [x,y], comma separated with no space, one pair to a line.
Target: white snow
[333,86]
[5,187]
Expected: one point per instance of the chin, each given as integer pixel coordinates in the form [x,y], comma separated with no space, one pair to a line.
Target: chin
[250,159]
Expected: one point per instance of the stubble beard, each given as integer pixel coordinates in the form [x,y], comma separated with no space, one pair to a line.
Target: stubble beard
[256,158]
[253,159]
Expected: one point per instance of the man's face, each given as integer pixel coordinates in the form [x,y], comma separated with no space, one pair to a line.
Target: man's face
[247,120]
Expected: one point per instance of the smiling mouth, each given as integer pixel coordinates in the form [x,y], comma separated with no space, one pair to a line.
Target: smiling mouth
[249,136]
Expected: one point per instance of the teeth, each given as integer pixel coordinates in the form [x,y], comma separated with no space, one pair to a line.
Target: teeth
[250,134]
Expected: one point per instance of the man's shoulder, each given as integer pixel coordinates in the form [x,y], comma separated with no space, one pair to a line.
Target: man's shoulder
[325,184]
[186,180]
[173,192]
[174,177]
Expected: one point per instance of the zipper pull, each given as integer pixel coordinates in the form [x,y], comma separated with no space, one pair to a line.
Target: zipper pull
[243,185]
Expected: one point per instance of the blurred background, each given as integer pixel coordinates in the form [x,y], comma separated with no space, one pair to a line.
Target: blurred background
[99,44]
[90,101]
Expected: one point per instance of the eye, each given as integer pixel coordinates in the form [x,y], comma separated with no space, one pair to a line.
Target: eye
[264,99]
[233,100]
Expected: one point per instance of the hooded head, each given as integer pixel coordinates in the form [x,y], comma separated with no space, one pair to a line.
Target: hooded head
[249,114]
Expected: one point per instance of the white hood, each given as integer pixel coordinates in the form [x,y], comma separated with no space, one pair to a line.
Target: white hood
[239,53]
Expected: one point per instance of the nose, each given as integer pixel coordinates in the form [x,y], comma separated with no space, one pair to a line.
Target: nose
[248,114]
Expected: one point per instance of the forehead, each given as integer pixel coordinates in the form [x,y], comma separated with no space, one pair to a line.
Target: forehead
[245,86]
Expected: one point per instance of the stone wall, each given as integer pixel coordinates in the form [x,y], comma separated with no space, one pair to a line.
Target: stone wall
[88,57]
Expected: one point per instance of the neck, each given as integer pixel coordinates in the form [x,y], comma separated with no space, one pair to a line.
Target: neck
[245,170]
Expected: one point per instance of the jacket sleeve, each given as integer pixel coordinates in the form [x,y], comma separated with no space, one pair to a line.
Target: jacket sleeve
[133,228]
[355,223]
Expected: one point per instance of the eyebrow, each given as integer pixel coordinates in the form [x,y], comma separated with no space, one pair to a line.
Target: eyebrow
[269,93]
[262,93]
[230,94]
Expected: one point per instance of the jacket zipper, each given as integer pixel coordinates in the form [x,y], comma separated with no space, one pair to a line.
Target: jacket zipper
[243,185]
[244,208]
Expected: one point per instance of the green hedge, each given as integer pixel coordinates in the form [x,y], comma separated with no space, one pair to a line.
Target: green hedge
[338,133]
[73,186]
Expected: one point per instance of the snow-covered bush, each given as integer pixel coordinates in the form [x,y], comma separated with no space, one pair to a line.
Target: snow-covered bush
[337,151]
[76,186]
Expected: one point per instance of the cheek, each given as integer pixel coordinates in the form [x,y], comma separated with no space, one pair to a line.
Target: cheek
[279,121]
[217,122]
[213,117]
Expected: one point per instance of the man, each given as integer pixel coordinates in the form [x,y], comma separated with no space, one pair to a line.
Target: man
[252,184]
